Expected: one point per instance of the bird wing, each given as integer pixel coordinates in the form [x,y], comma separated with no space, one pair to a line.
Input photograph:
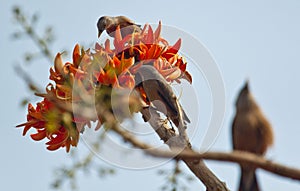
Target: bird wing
[264,134]
[166,93]
[159,89]
[127,21]
[233,133]
[171,97]
[185,117]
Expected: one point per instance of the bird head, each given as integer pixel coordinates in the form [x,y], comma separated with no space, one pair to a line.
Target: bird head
[103,24]
[245,87]
[245,98]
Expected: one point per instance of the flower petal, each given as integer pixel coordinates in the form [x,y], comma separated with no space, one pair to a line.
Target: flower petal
[58,64]
[149,37]
[39,135]
[76,55]
[157,32]
[172,50]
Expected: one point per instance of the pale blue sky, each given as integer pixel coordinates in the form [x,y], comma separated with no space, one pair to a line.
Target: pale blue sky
[257,40]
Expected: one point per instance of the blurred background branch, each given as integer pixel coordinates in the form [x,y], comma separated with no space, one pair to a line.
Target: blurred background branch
[28,25]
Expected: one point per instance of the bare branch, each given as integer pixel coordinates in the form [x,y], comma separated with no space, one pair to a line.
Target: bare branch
[258,161]
[27,79]
[190,156]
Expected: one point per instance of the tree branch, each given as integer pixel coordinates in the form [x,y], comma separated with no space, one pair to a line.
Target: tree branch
[190,157]
[257,161]
[176,142]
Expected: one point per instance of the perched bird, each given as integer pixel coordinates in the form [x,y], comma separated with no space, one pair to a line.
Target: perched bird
[160,94]
[110,24]
[251,132]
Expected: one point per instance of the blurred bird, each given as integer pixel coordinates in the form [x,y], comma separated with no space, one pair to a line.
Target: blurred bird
[160,94]
[110,24]
[251,132]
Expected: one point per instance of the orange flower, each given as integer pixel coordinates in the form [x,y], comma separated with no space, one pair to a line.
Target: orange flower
[51,123]
[149,46]
[48,118]
[108,77]
[114,69]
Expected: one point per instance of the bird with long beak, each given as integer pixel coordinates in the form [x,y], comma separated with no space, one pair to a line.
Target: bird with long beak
[110,24]
[160,94]
[251,132]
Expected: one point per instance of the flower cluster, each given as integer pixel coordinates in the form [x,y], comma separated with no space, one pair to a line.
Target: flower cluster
[94,73]
[149,47]
[52,117]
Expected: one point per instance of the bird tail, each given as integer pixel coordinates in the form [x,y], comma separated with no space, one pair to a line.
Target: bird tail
[248,180]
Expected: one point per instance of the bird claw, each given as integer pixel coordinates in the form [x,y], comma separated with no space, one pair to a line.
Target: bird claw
[168,120]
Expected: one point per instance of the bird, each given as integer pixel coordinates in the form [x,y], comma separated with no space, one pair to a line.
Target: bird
[160,94]
[251,132]
[110,24]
